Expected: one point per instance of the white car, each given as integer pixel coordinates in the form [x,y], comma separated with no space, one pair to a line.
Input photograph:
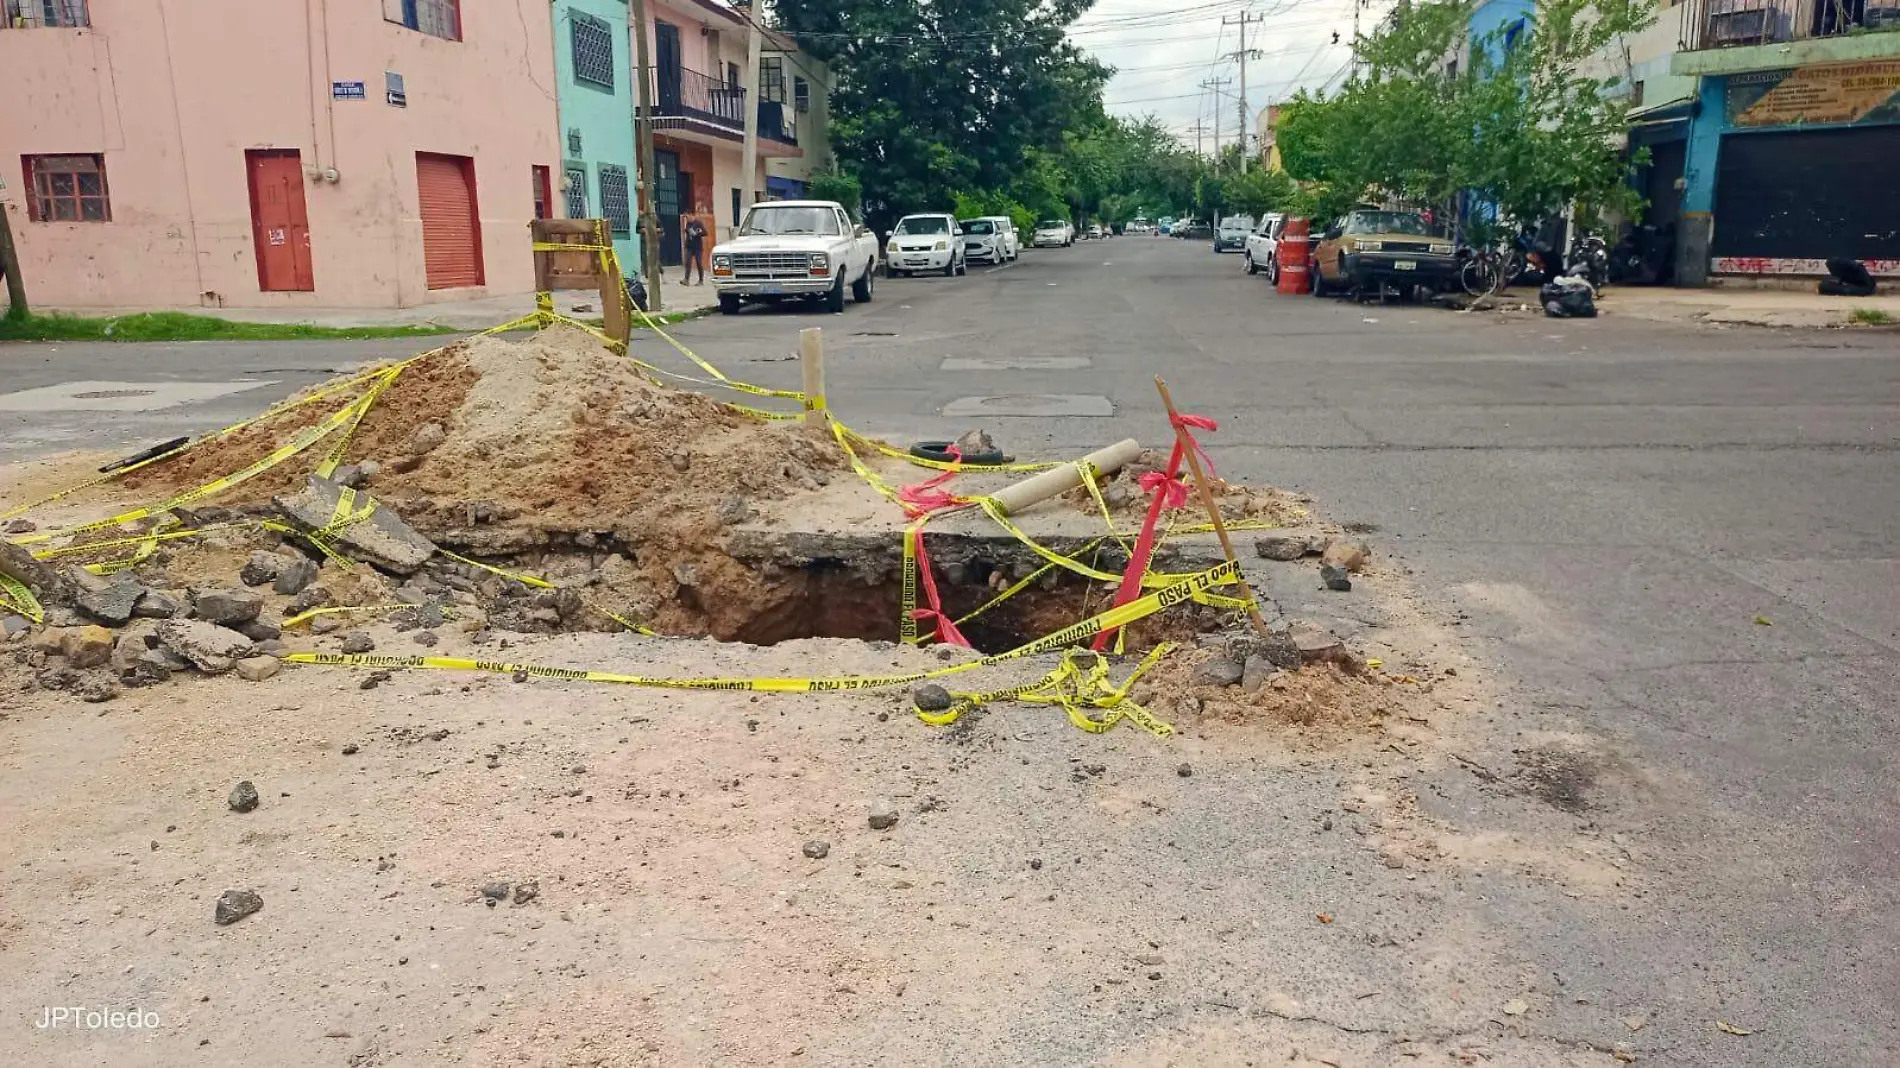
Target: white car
[792,249]
[928,242]
[1232,232]
[991,239]
[1054,233]
[1263,246]
[1095,232]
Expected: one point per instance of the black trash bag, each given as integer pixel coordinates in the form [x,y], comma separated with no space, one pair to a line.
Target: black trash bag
[1849,279]
[637,292]
[1568,297]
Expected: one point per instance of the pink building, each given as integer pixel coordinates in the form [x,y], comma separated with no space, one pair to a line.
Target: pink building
[275,153]
[699,51]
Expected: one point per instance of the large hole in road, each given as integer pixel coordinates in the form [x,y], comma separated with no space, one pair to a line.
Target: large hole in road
[773,587]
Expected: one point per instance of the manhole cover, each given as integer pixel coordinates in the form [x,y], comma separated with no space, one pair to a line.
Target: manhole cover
[109,394]
[1031,404]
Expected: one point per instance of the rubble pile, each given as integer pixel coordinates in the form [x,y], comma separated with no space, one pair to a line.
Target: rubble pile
[546,485]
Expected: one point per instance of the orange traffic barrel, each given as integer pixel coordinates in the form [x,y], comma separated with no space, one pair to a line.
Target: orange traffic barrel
[1292,255]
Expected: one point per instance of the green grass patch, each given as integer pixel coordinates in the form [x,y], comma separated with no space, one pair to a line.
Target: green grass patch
[178,326]
[1870,317]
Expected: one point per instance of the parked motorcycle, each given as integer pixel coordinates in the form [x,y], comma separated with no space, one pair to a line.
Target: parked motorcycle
[1645,256]
[1589,259]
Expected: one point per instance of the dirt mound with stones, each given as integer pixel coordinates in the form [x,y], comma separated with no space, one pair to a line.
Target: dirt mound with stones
[1127,500]
[493,445]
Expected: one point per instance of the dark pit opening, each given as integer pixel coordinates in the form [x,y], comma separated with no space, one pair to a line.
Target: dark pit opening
[826,602]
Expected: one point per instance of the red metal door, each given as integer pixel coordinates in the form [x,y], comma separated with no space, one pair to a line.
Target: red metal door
[451,229]
[280,228]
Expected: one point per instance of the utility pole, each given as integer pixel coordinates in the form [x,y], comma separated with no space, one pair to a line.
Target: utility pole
[1215,85]
[10,265]
[1242,54]
[1198,129]
[643,148]
[754,54]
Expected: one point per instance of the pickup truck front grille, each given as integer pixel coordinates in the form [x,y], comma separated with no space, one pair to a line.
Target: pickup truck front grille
[770,265]
[1420,247]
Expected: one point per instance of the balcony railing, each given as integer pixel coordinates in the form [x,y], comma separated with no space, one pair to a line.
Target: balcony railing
[1708,24]
[28,14]
[680,95]
[778,122]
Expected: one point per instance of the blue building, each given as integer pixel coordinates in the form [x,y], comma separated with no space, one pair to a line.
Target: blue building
[1793,153]
[594,68]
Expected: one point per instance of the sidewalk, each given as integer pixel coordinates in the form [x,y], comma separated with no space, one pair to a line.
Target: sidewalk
[1753,307]
[467,314]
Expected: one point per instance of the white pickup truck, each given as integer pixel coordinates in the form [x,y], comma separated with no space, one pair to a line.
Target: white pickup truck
[792,250]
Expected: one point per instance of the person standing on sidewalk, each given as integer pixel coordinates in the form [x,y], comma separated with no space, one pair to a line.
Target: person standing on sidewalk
[693,234]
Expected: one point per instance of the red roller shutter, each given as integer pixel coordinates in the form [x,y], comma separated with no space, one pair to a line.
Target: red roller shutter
[451,227]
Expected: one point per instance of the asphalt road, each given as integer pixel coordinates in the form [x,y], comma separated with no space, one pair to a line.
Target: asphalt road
[1607,508]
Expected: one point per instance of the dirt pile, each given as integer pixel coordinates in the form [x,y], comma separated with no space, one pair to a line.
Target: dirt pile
[1328,694]
[1127,499]
[497,445]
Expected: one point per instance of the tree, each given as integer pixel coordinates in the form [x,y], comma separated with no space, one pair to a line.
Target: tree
[935,98]
[1259,191]
[840,187]
[1522,132]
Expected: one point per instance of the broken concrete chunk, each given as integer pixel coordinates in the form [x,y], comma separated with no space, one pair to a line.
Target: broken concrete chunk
[883,815]
[1350,555]
[234,905]
[46,584]
[1219,671]
[211,648]
[733,510]
[262,567]
[356,643]
[1283,546]
[226,607]
[1336,578]
[114,602]
[382,538]
[157,604]
[258,668]
[931,697]
[243,796]
[295,576]
[86,647]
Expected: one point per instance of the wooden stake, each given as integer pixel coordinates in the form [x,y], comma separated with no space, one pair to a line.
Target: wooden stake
[1207,501]
[811,362]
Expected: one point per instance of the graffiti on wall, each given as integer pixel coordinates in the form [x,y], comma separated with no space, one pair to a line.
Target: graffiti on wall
[1789,265]
[1835,93]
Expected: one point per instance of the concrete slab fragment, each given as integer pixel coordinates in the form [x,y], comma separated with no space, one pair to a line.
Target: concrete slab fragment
[381,538]
[1030,404]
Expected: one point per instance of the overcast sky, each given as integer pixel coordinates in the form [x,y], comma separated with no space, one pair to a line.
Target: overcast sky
[1165,49]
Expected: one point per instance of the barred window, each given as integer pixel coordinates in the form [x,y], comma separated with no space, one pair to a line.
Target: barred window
[593,50]
[24,13]
[613,198]
[67,189]
[576,192]
[801,93]
[772,79]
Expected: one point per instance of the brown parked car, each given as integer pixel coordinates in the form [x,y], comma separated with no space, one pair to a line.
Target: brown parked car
[1370,248]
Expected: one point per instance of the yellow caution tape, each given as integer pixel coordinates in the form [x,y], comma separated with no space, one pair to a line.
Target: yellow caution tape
[1076,690]
[15,597]
[1072,635]
[907,619]
[300,441]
